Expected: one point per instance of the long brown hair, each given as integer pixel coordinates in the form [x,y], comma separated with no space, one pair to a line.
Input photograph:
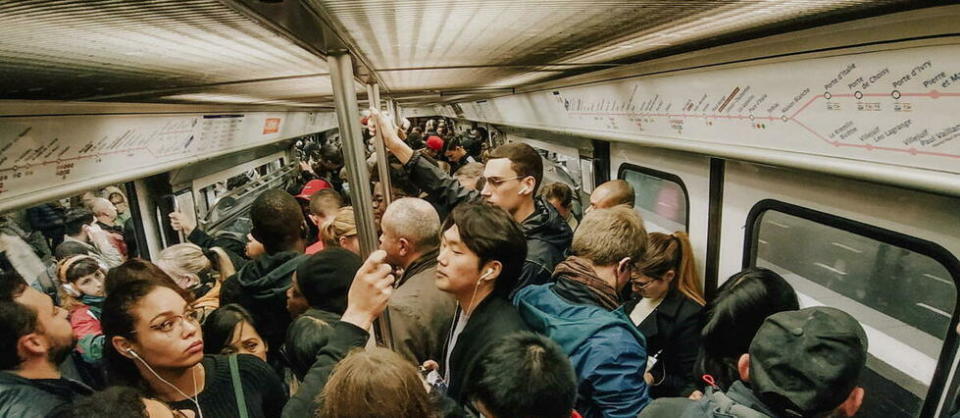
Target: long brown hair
[673,252]
[375,383]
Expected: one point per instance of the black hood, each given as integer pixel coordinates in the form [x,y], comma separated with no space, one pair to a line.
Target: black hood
[269,275]
[546,224]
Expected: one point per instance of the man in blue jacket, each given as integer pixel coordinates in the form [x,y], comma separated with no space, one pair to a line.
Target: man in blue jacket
[581,312]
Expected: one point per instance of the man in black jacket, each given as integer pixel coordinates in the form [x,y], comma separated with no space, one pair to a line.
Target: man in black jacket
[261,285]
[35,337]
[513,174]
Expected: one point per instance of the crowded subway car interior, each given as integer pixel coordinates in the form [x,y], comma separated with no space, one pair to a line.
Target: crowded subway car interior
[526,208]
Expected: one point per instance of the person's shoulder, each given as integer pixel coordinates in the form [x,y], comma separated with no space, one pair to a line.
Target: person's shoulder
[501,316]
[667,407]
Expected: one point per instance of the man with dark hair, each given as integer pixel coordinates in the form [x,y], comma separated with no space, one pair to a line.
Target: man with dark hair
[35,337]
[582,311]
[84,237]
[456,154]
[610,194]
[260,286]
[804,363]
[324,206]
[420,314]
[512,176]
[523,375]
[561,197]
[316,298]
[481,255]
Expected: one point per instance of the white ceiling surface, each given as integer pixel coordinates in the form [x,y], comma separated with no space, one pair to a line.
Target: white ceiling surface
[441,44]
[82,50]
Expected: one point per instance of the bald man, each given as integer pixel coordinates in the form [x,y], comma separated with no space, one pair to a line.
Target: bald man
[420,314]
[610,194]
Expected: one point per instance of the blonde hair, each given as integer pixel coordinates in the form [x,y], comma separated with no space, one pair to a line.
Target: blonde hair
[342,225]
[185,262]
[606,236]
[673,252]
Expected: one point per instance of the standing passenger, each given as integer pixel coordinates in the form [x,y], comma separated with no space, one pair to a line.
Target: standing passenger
[35,338]
[581,312]
[420,314]
[481,255]
[261,285]
[668,309]
[561,197]
[610,194]
[513,174]
[84,237]
[324,206]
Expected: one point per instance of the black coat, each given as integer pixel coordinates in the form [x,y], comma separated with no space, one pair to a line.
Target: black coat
[673,329]
[21,397]
[495,317]
[548,235]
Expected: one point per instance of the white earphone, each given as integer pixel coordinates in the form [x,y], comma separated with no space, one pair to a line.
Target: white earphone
[522,191]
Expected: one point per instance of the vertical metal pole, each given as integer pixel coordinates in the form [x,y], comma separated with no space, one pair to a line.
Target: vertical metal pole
[392,109]
[383,167]
[348,117]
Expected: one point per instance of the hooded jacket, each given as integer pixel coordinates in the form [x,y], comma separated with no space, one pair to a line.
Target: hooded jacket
[261,286]
[548,235]
[22,397]
[607,351]
[738,402]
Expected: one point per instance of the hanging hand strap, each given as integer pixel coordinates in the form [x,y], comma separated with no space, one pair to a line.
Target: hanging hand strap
[237,387]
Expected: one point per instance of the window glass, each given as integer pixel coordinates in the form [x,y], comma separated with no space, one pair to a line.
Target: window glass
[904,300]
[660,198]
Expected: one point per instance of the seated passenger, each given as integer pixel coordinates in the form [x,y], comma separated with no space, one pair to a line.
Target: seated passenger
[155,344]
[324,206]
[513,174]
[376,383]
[580,312]
[341,231]
[420,314]
[82,278]
[229,330]
[35,337]
[668,309]
[481,255]
[523,375]
[610,194]
[84,237]
[316,299]
[561,197]
[743,302]
[198,271]
[261,285]
[804,363]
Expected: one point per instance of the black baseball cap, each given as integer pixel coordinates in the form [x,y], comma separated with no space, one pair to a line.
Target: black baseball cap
[325,277]
[807,362]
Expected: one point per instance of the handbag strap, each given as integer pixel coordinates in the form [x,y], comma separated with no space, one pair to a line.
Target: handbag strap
[237,387]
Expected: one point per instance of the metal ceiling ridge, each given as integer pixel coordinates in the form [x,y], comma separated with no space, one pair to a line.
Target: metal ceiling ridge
[200,86]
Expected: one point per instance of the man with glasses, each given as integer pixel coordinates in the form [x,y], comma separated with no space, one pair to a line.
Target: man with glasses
[512,176]
[582,311]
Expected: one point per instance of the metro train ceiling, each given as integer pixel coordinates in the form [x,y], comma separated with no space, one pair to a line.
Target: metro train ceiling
[422,51]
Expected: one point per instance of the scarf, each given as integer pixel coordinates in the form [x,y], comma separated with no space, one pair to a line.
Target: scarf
[95,303]
[575,270]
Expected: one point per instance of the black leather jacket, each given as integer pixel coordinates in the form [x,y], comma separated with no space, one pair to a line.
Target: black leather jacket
[21,397]
[548,235]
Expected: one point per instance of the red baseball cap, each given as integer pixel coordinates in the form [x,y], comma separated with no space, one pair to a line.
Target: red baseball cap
[435,143]
[312,187]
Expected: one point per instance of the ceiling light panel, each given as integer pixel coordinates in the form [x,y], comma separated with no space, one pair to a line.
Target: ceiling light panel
[79,49]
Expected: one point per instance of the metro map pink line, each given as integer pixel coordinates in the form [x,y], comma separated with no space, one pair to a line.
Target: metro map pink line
[934,94]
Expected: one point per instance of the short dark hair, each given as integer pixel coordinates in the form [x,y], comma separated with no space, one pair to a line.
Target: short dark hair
[16,319]
[277,220]
[560,192]
[75,219]
[492,234]
[117,401]
[524,375]
[742,303]
[525,161]
[219,326]
[331,153]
